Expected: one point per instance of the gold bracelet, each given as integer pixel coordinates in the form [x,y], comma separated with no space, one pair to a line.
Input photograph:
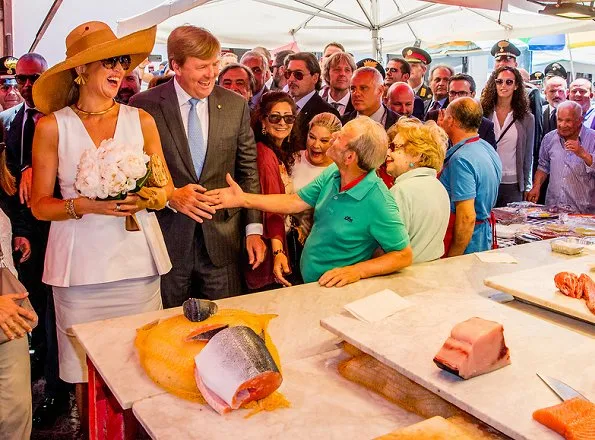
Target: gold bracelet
[69,206]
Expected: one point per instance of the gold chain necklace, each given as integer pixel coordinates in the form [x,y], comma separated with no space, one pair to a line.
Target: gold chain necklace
[102,112]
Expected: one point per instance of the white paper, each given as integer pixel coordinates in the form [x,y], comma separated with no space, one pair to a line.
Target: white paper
[496,257]
[377,306]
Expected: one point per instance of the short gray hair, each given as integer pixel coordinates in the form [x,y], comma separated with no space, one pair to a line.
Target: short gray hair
[231,66]
[441,66]
[378,79]
[255,54]
[371,142]
[572,105]
[555,80]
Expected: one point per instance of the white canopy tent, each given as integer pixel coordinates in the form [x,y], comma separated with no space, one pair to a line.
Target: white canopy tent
[361,25]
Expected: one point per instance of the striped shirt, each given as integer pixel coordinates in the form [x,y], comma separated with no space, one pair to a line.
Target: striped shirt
[572,182]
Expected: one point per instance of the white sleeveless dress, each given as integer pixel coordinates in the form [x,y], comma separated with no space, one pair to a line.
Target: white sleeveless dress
[98,270]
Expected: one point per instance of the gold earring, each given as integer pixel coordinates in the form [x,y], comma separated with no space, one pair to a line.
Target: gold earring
[81,79]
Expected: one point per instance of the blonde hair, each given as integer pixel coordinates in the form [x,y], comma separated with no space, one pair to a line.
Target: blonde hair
[326,120]
[7,180]
[426,139]
[191,41]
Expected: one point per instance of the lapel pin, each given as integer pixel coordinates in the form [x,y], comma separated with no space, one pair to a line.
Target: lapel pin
[219,106]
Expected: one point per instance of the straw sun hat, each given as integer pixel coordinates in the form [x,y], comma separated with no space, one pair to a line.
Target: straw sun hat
[92,41]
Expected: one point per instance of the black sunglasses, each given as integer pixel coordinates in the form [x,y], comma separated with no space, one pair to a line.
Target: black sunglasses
[124,60]
[275,119]
[22,79]
[508,82]
[298,74]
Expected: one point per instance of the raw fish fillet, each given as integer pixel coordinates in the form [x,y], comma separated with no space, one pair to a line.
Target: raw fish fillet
[574,419]
[235,368]
[588,286]
[475,346]
[567,282]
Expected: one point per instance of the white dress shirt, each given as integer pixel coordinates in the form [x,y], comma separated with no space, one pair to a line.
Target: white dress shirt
[343,102]
[202,110]
[302,102]
[379,115]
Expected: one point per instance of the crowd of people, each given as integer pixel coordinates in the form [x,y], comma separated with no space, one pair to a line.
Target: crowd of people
[281,170]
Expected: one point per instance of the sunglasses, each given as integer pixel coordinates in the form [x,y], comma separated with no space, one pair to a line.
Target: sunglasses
[110,63]
[508,82]
[392,147]
[275,119]
[22,79]
[505,58]
[299,75]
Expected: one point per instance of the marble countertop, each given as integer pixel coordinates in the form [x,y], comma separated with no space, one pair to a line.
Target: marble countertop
[296,332]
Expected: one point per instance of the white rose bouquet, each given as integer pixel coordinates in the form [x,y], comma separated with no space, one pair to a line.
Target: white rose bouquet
[111,171]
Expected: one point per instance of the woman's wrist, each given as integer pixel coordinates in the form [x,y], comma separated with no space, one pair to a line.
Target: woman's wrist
[278,252]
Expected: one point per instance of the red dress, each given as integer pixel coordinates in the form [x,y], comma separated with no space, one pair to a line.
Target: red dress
[273,224]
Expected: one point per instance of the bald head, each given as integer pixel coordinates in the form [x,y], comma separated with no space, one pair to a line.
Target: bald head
[466,113]
[401,98]
[581,91]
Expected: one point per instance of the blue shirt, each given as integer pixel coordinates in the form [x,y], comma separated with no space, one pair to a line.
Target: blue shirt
[572,182]
[348,225]
[473,171]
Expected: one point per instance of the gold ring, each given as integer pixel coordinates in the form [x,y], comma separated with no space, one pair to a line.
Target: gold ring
[117,207]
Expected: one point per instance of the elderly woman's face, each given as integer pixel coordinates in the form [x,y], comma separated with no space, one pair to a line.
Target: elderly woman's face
[318,142]
[105,77]
[398,161]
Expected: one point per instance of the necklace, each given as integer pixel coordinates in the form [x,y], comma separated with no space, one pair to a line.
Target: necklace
[102,112]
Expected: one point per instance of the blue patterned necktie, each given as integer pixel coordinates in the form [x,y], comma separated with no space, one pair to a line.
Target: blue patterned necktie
[196,141]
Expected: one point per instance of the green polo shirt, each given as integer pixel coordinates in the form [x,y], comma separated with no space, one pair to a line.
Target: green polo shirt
[350,225]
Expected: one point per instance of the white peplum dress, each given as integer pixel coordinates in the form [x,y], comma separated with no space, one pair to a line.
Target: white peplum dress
[97,269]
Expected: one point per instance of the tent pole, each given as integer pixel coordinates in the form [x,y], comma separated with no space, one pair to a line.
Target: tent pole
[376,47]
[571,60]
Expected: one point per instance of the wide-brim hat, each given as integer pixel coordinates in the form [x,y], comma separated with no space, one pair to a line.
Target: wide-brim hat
[89,42]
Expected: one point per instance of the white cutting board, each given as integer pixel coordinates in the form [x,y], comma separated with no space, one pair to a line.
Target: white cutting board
[537,286]
[505,399]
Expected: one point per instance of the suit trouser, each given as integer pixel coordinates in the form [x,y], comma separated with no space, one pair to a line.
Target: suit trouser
[508,193]
[15,390]
[195,276]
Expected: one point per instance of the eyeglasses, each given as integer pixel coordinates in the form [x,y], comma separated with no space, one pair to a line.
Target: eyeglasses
[505,58]
[298,74]
[392,70]
[392,146]
[22,79]
[508,82]
[124,60]
[275,119]
[455,94]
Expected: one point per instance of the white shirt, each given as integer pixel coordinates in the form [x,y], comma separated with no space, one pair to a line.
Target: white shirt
[379,115]
[302,102]
[589,117]
[202,110]
[424,207]
[343,102]
[507,148]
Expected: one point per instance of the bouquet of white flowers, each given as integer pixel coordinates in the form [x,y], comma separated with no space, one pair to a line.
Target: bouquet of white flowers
[111,171]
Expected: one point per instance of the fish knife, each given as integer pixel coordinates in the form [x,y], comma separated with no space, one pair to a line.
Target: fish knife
[562,390]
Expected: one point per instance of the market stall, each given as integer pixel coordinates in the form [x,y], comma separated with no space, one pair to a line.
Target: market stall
[323,403]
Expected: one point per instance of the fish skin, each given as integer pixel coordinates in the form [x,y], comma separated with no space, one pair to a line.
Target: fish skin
[233,358]
[206,332]
[197,310]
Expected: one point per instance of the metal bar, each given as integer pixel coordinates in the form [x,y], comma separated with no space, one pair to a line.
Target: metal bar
[304,11]
[45,24]
[334,27]
[305,22]
[331,12]
[408,25]
[508,27]
[410,14]
[8,48]
[361,6]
